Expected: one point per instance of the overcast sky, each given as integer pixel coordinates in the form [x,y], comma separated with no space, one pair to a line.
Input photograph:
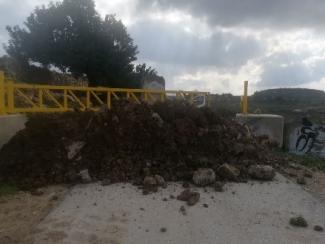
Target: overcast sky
[214,45]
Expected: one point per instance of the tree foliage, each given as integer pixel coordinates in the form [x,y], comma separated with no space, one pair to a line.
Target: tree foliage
[71,36]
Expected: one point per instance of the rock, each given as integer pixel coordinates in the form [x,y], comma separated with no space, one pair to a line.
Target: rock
[53,196]
[189,196]
[185,195]
[149,181]
[37,192]
[160,180]
[204,177]
[301,179]
[218,186]
[261,172]
[85,177]
[229,172]
[163,230]
[205,205]
[318,228]
[298,222]
[106,182]
[186,185]
[158,119]
[194,198]
[74,149]
[182,210]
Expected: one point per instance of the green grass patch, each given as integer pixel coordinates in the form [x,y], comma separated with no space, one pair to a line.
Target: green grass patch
[312,162]
[6,189]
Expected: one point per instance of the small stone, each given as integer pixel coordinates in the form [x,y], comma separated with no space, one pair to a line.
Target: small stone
[142,209]
[318,228]
[261,172]
[163,230]
[204,177]
[182,210]
[186,185]
[158,119]
[298,222]
[172,197]
[145,192]
[188,196]
[194,198]
[165,199]
[228,172]
[205,205]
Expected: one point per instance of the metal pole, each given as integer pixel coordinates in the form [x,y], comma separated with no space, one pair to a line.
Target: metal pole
[2,94]
[245,98]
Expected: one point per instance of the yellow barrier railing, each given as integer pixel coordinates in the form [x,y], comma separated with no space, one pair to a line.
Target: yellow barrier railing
[26,98]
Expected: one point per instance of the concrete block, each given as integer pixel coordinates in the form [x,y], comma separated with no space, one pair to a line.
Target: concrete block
[10,125]
[264,124]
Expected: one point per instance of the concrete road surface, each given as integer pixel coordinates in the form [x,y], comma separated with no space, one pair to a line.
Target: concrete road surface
[245,213]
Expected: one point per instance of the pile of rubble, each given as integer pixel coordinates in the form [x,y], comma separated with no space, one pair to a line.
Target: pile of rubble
[139,143]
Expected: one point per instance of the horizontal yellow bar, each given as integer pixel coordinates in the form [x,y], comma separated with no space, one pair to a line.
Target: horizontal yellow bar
[99,89]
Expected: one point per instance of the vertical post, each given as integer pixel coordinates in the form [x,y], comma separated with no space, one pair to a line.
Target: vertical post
[40,98]
[2,93]
[162,96]
[10,95]
[245,98]
[109,100]
[191,98]
[65,99]
[87,99]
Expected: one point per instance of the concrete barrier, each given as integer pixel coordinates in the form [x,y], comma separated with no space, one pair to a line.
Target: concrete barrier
[264,124]
[10,125]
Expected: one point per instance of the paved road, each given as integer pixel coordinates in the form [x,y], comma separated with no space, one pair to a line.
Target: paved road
[246,213]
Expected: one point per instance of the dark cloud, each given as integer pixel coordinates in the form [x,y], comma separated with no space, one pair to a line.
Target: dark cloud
[262,13]
[288,69]
[170,43]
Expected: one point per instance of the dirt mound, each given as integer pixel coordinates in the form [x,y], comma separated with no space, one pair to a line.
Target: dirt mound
[130,142]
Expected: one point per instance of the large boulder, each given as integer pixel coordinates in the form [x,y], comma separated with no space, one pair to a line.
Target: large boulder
[228,172]
[204,177]
[261,172]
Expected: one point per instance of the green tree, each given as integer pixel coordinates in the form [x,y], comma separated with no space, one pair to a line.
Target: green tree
[71,36]
[143,73]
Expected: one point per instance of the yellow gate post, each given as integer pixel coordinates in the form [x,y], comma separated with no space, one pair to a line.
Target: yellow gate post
[244,100]
[2,94]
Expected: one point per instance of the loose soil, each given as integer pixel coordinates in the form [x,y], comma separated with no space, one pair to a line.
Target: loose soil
[171,139]
[20,213]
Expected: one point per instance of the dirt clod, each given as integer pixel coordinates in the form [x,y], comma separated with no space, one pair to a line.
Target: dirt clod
[318,228]
[163,230]
[298,221]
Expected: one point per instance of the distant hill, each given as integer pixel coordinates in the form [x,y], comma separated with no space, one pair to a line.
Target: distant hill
[290,96]
[289,102]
